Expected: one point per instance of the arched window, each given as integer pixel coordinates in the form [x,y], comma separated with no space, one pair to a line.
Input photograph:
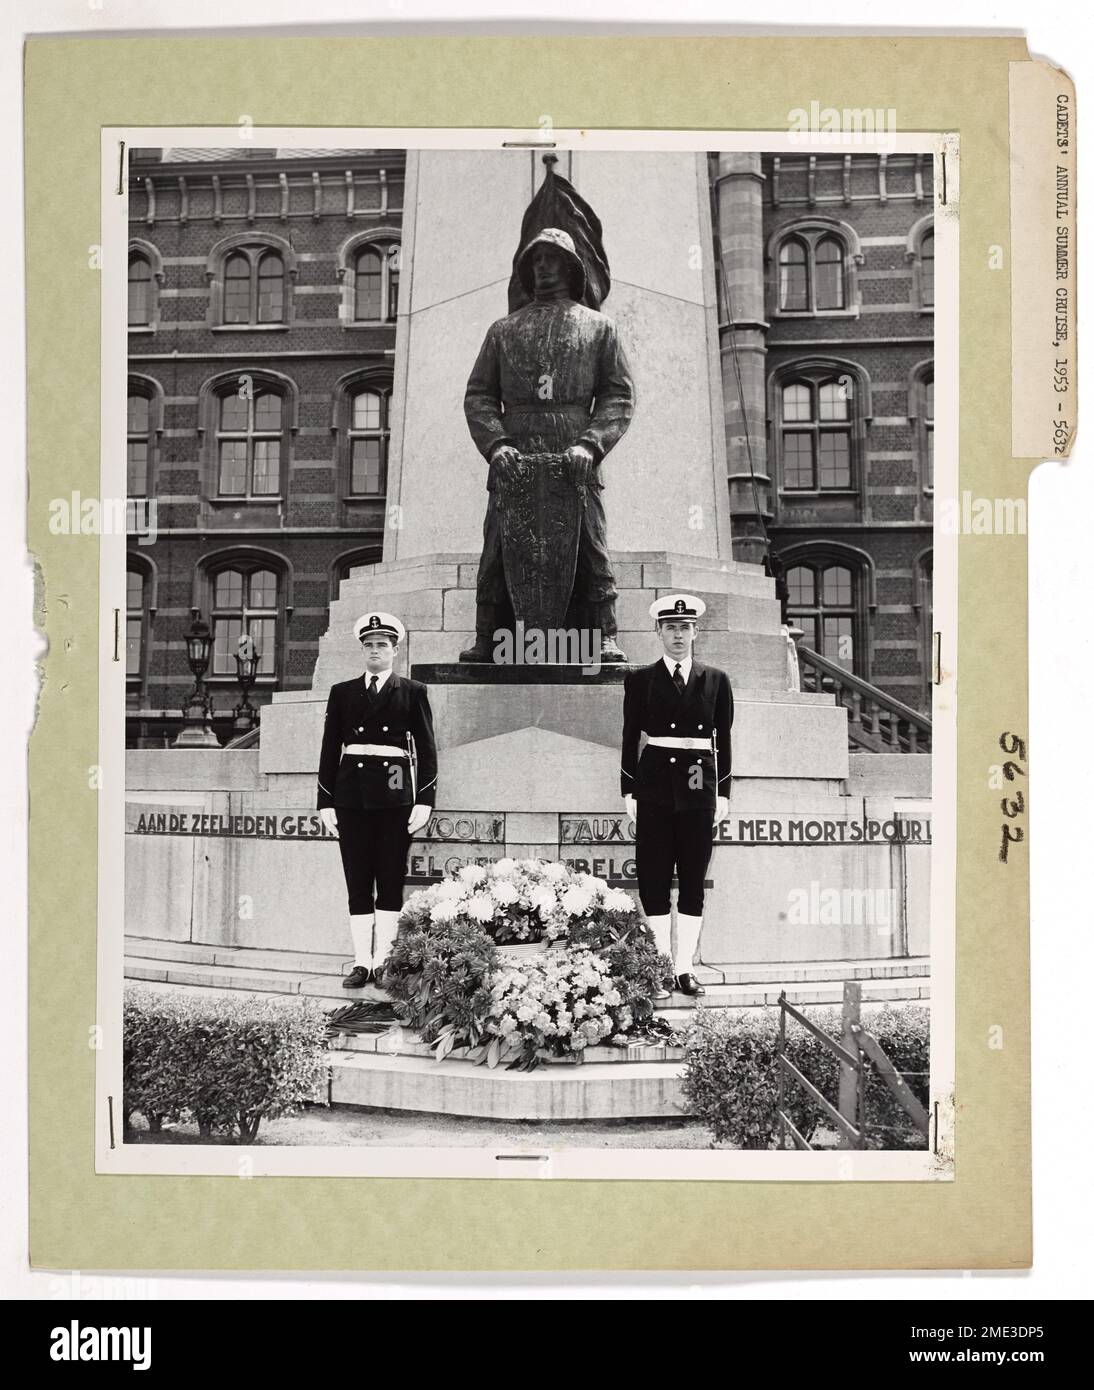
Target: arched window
[368,436]
[135,585]
[921,411]
[920,252]
[254,287]
[249,437]
[828,261]
[251,282]
[141,290]
[793,277]
[815,262]
[823,600]
[245,601]
[376,283]
[926,270]
[369,269]
[346,564]
[138,449]
[816,435]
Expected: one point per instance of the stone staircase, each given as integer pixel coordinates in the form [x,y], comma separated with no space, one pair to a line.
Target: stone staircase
[396,1070]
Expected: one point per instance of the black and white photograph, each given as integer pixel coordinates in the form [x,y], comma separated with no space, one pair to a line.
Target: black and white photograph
[529,688]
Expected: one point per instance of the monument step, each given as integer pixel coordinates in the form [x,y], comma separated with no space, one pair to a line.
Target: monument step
[199,953]
[798,972]
[402,1042]
[325,984]
[909,989]
[591,1091]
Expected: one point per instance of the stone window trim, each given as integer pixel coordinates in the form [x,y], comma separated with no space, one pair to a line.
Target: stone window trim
[152,391]
[377,378]
[818,555]
[809,231]
[247,559]
[253,245]
[210,394]
[151,254]
[816,371]
[919,378]
[379,238]
[145,566]
[913,253]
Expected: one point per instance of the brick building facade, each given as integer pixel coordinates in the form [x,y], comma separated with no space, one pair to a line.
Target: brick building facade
[263,293]
[826,291]
[263,299]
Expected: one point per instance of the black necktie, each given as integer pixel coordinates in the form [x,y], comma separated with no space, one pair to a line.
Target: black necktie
[678,680]
[372,690]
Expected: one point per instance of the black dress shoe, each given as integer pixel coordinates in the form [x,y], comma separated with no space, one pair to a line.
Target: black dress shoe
[688,984]
[357,978]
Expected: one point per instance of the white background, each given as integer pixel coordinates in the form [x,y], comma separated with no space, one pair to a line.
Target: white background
[1061,687]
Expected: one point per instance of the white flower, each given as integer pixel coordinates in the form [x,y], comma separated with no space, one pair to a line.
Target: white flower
[556,873]
[472,873]
[505,868]
[576,901]
[450,888]
[502,891]
[444,911]
[480,906]
[617,901]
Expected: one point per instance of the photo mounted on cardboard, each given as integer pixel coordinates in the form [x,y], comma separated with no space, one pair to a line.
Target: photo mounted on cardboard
[491,405]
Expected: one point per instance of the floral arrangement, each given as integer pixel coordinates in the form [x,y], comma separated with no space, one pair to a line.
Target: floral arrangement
[519,900]
[589,984]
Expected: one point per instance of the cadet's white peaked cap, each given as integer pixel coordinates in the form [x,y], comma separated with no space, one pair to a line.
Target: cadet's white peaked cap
[677,607]
[378,624]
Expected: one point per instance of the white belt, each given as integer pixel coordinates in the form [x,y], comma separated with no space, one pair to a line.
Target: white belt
[701,745]
[375,750]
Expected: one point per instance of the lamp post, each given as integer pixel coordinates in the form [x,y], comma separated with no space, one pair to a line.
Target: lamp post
[197,713]
[247,658]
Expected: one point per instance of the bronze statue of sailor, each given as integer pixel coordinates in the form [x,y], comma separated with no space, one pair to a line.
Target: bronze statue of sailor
[549,396]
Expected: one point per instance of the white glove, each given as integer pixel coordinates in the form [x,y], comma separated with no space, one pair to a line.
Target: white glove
[418,817]
[631,805]
[329,816]
[721,809]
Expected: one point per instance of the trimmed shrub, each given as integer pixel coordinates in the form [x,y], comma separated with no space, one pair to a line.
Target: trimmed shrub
[226,1063]
[731,1079]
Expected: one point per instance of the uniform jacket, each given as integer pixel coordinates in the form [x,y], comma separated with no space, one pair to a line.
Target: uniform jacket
[652,705]
[576,350]
[365,783]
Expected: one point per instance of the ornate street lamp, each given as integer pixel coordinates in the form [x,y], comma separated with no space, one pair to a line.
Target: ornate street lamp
[247,658]
[197,713]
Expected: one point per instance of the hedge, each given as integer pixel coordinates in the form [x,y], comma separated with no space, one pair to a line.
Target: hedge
[225,1063]
[731,1080]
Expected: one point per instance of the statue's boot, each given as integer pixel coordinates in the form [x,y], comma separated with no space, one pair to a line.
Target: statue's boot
[610,650]
[481,651]
[489,618]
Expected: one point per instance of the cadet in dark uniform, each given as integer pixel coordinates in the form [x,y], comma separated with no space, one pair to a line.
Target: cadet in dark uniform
[678,790]
[371,794]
